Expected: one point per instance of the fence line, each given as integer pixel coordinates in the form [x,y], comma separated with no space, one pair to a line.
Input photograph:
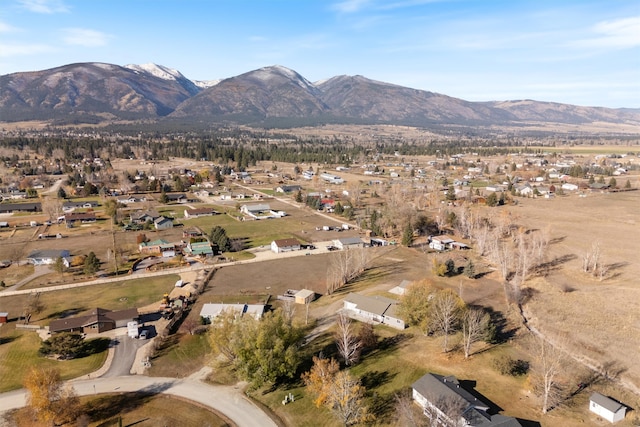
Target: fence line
[102,281]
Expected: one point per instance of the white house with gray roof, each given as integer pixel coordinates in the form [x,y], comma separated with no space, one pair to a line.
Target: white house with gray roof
[373,309]
[446,402]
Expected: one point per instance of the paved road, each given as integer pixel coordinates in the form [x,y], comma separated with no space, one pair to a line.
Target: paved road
[226,400]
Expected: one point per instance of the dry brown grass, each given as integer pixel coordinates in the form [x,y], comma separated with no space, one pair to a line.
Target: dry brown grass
[592,319]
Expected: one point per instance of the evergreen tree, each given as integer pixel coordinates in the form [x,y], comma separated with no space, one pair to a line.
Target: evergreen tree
[91,264]
[407,235]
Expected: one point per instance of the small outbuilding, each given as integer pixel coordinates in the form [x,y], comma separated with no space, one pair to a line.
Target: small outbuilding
[304,296]
[4,318]
[607,408]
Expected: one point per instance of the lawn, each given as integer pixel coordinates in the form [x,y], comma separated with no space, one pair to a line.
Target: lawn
[181,355]
[19,351]
[255,233]
[141,410]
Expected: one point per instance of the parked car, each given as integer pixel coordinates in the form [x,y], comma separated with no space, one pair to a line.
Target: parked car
[144,334]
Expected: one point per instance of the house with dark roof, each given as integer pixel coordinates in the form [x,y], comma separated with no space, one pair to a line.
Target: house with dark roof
[285,245]
[85,217]
[607,408]
[373,309]
[99,320]
[176,198]
[141,217]
[162,223]
[447,403]
[20,207]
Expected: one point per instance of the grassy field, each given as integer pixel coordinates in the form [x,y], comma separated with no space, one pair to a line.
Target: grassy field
[141,410]
[181,355]
[18,349]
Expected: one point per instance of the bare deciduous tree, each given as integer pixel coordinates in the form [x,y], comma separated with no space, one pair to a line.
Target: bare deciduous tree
[347,339]
[345,266]
[445,311]
[407,413]
[547,366]
[474,325]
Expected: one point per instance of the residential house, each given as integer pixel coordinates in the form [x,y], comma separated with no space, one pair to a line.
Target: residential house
[607,408]
[49,257]
[447,403]
[162,223]
[441,243]
[261,211]
[211,311]
[288,188]
[285,245]
[85,218]
[348,243]
[20,207]
[567,186]
[127,200]
[71,206]
[142,217]
[198,212]
[177,198]
[156,247]
[199,246]
[331,179]
[99,320]
[374,309]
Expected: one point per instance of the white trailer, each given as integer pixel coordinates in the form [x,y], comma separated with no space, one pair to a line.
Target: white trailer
[132,329]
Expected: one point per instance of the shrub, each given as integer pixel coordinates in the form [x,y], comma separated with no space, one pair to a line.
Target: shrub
[507,365]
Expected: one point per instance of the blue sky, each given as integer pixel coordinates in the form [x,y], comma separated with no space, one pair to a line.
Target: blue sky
[577,52]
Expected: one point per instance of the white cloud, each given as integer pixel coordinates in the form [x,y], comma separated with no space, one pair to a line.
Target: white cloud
[85,37]
[44,6]
[616,34]
[350,6]
[6,28]
[8,50]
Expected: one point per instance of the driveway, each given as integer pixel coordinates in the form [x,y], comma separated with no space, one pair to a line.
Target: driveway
[227,400]
[125,349]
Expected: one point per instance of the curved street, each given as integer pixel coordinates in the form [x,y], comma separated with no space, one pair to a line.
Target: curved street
[227,400]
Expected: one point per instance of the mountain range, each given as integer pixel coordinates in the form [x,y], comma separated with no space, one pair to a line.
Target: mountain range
[275,95]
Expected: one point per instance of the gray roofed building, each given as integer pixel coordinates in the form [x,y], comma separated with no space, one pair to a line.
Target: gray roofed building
[373,309]
[606,407]
[49,257]
[348,242]
[447,403]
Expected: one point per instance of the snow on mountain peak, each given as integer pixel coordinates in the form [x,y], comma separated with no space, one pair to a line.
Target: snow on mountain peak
[204,84]
[159,71]
[266,73]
